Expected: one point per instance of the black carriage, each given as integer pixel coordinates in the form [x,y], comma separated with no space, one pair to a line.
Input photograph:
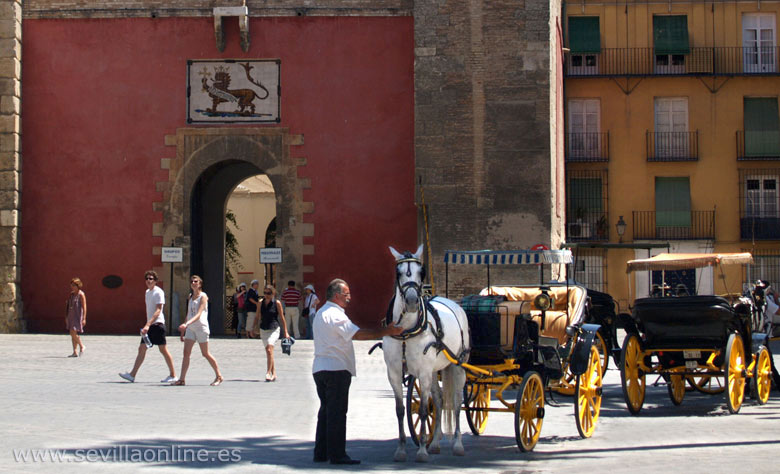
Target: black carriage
[704,340]
[526,338]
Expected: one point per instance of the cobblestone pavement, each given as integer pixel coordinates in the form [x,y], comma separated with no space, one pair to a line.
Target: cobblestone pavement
[100,422]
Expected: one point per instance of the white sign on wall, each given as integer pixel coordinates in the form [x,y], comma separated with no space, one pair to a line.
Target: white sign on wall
[271,255]
[172,254]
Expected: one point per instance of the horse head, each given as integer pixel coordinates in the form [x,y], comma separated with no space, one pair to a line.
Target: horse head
[409,276]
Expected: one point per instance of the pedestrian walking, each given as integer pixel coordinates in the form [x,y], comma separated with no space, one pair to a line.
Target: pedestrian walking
[310,303]
[153,332]
[269,324]
[333,369]
[76,315]
[291,299]
[196,329]
[240,303]
[252,300]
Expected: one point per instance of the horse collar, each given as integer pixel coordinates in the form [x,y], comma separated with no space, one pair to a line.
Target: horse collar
[418,328]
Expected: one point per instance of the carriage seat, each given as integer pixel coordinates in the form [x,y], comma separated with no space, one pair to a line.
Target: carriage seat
[557,318]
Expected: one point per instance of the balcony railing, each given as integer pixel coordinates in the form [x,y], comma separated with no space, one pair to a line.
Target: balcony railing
[672,146]
[674,225]
[721,60]
[758,145]
[592,226]
[759,228]
[587,147]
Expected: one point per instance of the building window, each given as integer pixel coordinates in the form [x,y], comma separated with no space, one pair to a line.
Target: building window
[587,204]
[758,43]
[672,207]
[671,127]
[762,127]
[759,204]
[765,266]
[590,268]
[670,43]
[584,45]
[584,127]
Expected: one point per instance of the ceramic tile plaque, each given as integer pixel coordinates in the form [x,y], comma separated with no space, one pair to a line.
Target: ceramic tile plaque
[233,90]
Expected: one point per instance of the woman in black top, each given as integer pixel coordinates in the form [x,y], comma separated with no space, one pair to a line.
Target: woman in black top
[270,322]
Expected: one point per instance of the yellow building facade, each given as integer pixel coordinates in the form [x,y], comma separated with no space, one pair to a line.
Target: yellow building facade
[672,136]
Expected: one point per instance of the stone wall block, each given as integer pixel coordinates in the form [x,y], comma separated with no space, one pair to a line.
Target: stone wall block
[9,218]
[10,104]
[8,256]
[8,292]
[10,48]
[9,161]
[9,199]
[10,87]
[10,29]
[9,273]
[10,123]
[10,143]
[10,10]
[9,180]
[10,67]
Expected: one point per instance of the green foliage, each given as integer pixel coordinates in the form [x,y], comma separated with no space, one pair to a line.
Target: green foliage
[232,255]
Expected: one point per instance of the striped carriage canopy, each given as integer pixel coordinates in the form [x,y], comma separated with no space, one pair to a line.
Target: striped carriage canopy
[507,257]
[681,261]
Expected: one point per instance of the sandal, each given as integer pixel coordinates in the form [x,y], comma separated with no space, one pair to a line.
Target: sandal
[217,381]
[178,382]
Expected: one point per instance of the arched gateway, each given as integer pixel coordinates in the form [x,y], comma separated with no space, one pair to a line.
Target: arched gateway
[209,163]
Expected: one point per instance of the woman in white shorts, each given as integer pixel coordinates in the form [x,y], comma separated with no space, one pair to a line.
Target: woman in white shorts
[196,329]
[270,323]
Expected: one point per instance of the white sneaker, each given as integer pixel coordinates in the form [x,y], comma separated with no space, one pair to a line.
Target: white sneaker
[169,379]
[127,377]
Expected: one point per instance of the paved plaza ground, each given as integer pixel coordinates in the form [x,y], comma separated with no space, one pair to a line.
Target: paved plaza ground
[81,406]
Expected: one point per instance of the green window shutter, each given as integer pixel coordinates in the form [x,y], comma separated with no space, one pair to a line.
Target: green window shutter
[762,127]
[585,198]
[670,34]
[584,35]
[672,202]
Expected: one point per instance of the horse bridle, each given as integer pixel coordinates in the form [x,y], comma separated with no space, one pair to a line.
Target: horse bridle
[411,284]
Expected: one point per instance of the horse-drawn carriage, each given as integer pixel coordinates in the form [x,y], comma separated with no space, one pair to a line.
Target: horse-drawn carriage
[705,340]
[524,338]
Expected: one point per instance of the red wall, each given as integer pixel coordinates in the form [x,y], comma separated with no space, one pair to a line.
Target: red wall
[99,96]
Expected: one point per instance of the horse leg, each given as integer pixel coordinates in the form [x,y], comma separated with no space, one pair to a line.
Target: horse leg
[459,380]
[425,392]
[434,448]
[396,381]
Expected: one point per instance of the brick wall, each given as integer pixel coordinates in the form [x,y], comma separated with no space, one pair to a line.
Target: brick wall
[483,130]
[10,163]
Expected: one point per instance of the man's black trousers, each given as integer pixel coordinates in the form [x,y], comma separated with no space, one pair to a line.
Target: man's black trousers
[333,390]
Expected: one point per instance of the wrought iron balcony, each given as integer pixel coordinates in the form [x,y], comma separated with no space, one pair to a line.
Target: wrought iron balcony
[672,146]
[759,228]
[673,225]
[587,147]
[592,226]
[717,61]
[758,145]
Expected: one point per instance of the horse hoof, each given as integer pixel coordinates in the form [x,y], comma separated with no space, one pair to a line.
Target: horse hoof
[421,457]
[458,450]
[400,456]
[434,449]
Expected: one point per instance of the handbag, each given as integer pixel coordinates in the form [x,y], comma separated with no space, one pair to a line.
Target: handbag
[305,312]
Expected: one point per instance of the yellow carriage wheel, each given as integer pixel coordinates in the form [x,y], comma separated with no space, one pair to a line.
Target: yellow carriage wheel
[601,345]
[476,397]
[762,376]
[632,378]
[529,411]
[413,413]
[587,404]
[735,373]
[709,384]
[676,387]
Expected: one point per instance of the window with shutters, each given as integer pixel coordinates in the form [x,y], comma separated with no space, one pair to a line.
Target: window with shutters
[762,127]
[670,43]
[672,207]
[671,127]
[584,45]
[759,204]
[758,43]
[584,137]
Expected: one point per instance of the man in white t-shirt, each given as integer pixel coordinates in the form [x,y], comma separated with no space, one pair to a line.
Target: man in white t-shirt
[154,329]
[333,369]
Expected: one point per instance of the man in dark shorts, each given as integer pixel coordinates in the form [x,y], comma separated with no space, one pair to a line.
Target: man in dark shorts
[154,329]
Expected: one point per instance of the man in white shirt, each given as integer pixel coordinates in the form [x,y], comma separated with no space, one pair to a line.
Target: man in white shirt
[333,368]
[154,329]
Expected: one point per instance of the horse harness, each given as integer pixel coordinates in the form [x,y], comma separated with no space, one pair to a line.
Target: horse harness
[422,315]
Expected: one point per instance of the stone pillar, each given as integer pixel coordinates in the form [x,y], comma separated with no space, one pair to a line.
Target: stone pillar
[10,164]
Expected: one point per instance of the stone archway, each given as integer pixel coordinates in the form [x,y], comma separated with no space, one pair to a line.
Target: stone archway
[209,163]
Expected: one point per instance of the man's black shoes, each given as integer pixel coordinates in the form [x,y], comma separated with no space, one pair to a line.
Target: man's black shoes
[316,459]
[345,460]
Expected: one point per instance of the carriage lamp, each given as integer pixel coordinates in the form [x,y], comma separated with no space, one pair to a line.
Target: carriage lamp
[621,228]
[542,301]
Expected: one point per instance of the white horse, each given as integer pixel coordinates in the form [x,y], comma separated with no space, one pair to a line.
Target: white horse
[418,350]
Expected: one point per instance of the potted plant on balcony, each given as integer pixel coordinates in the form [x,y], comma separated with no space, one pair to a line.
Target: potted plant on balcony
[601,227]
[579,229]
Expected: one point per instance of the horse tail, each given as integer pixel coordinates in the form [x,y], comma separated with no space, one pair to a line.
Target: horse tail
[449,389]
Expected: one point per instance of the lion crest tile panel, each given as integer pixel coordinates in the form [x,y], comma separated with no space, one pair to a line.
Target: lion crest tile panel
[233,91]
